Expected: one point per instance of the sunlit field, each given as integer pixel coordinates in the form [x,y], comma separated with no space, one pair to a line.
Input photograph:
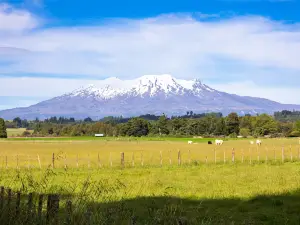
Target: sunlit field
[107,153]
[253,185]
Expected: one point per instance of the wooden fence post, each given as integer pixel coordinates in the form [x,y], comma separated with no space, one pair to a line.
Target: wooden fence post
[132,159]
[110,159]
[282,155]
[179,158]
[291,150]
[99,162]
[215,156]
[142,159]
[206,161]
[122,159]
[170,157]
[53,159]
[69,212]
[52,208]
[29,207]
[2,191]
[39,161]
[17,162]
[40,207]
[233,155]
[161,159]
[65,162]
[18,202]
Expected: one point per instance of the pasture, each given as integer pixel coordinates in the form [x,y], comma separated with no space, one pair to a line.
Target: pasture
[15,131]
[257,188]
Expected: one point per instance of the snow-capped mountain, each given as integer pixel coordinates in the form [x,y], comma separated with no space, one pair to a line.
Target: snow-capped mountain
[154,94]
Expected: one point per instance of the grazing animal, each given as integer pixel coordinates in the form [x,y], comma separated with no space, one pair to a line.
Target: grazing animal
[190,142]
[209,142]
[258,142]
[251,142]
[219,142]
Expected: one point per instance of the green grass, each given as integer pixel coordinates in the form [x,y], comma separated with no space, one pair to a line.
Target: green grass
[205,194]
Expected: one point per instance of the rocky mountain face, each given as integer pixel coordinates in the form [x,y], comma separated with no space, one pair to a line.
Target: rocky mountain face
[147,94]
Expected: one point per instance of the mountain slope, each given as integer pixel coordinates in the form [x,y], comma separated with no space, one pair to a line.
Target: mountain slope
[147,94]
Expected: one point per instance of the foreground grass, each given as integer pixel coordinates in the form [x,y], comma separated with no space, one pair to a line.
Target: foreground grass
[205,194]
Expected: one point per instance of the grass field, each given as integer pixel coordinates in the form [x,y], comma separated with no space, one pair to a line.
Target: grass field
[193,193]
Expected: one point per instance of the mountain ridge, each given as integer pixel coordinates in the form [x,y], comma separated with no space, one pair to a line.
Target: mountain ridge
[154,94]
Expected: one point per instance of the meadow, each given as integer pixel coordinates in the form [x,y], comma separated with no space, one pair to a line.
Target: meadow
[257,188]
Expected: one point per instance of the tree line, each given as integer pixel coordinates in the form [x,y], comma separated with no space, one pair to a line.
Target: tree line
[206,124]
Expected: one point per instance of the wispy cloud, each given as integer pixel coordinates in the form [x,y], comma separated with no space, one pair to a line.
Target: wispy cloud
[223,50]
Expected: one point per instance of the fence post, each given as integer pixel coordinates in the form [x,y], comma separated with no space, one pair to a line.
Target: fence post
[52,208]
[8,199]
[40,165]
[206,159]
[110,159]
[233,154]
[18,202]
[291,153]
[99,162]
[53,159]
[122,159]
[29,207]
[17,162]
[215,156]
[65,162]
[69,212]
[40,207]
[132,159]
[161,159]
[142,159]
[282,155]
[2,197]
[179,158]
[170,157]
[89,161]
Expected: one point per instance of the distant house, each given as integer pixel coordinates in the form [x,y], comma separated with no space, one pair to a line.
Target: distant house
[99,135]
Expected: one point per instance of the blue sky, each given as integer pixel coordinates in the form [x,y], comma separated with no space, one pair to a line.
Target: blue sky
[247,47]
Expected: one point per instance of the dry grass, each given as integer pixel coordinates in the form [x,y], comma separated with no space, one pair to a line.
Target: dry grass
[138,153]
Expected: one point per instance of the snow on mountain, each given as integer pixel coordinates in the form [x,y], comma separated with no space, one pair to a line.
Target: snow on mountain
[154,94]
[148,85]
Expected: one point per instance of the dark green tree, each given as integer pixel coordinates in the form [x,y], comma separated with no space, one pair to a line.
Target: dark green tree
[162,124]
[3,133]
[18,122]
[233,124]
[138,127]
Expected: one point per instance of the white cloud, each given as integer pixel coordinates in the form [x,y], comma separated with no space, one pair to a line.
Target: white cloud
[224,50]
[15,20]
